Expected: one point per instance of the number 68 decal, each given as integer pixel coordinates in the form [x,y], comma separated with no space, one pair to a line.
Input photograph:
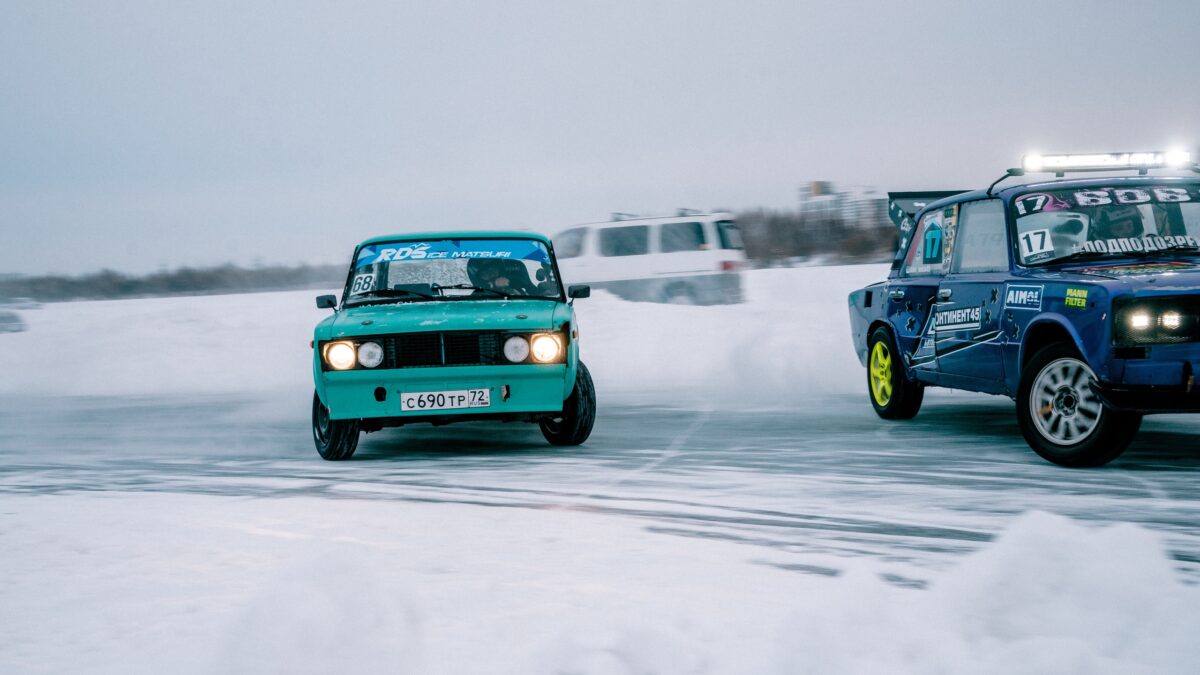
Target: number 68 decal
[362,283]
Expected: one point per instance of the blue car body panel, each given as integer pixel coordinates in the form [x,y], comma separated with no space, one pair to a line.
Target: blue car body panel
[980,336]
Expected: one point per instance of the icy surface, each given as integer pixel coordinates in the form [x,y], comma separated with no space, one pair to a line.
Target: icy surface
[739,509]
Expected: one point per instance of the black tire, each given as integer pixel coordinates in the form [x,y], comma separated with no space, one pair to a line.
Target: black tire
[1057,382]
[578,414]
[680,294]
[897,397]
[336,440]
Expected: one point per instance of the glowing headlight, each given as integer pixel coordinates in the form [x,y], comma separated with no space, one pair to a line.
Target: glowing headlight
[545,348]
[516,349]
[1140,321]
[1172,320]
[340,355]
[370,354]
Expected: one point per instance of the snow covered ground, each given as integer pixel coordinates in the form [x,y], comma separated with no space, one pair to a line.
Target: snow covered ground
[739,510]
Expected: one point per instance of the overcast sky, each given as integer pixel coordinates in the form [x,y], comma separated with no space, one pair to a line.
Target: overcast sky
[140,135]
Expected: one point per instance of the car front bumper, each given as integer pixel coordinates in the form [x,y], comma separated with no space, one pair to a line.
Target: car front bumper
[1164,380]
[515,391]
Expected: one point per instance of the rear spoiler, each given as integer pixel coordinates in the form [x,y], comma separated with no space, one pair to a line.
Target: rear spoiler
[902,206]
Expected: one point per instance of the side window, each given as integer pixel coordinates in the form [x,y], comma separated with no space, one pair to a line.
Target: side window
[631,240]
[569,243]
[682,237]
[927,251]
[731,236]
[981,243]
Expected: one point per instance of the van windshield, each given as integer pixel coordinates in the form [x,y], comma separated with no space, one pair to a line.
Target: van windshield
[452,269]
[731,236]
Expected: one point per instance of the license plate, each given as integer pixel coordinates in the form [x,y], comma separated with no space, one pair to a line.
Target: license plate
[445,400]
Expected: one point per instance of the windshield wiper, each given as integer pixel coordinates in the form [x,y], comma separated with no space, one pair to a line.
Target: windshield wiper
[1071,256]
[390,293]
[465,287]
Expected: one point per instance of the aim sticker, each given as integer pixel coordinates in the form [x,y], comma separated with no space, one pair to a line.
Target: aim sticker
[1024,297]
[1076,298]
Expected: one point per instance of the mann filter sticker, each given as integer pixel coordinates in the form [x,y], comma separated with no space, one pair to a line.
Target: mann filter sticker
[1036,245]
[1138,244]
[451,249]
[1076,298]
[1024,297]
[966,318]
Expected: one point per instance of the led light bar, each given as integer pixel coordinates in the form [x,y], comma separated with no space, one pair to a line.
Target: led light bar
[1171,159]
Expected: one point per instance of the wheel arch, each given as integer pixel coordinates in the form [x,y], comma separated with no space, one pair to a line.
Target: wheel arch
[1046,331]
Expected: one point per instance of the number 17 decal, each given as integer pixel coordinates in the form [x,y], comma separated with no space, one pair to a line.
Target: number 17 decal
[1035,243]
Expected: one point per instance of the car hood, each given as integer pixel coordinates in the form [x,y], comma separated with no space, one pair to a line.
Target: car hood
[451,315]
[1161,275]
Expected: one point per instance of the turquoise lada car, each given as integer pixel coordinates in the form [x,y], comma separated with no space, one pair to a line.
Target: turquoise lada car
[450,327]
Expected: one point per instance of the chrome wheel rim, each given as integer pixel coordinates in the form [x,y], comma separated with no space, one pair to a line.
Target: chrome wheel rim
[1062,404]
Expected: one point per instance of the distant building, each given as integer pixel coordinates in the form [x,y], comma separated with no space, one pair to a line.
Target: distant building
[854,206]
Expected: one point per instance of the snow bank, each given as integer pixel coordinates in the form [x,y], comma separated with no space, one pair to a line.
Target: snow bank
[196,584]
[789,341]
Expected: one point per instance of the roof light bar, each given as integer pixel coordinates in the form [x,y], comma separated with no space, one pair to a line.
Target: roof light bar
[1113,161]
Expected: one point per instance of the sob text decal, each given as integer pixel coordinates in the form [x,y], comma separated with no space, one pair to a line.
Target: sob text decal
[1024,297]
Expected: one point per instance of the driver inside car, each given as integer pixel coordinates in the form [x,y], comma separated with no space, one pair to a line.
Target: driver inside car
[500,274]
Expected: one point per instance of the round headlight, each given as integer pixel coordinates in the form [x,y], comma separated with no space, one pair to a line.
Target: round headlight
[1140,321]
[516,349]
[370,354]
[340,355]
[1172,320]
[545,348]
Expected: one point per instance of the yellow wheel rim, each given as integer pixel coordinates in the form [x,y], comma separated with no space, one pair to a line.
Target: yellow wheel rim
[881,374]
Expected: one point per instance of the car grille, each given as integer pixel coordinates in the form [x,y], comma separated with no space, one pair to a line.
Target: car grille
[427,350]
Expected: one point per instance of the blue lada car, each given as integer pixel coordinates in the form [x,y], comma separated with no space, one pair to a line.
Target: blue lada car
[1079,298]
[442,328]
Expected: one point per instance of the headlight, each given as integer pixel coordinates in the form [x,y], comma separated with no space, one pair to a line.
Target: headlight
[516,349]
[546,348]
[370,354]
[340,355]
[1156,321]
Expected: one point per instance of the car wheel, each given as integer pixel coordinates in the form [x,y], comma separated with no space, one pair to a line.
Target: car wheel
[336,440]
[574,425]
[1060,415]
[681,294]
[893,395]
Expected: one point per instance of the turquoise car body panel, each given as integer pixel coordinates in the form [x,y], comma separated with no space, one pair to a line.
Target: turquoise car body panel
[531,388]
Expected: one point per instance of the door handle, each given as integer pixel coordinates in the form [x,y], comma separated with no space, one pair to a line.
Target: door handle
[945,294]
[897,294]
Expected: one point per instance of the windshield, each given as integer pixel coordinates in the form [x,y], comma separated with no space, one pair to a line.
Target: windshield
[452,269]
[1107,222]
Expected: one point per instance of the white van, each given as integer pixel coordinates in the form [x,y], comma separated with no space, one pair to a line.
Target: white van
[692,258]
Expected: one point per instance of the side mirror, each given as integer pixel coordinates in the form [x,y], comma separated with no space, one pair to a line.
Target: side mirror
[326,302]
[580,291]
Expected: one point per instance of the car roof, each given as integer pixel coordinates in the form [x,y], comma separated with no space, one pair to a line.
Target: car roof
[1011,191]
[655,220]
[460,234]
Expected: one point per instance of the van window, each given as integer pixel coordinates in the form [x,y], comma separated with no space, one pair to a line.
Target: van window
[631,240]
[731,236]
[569,243]
[683,237]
